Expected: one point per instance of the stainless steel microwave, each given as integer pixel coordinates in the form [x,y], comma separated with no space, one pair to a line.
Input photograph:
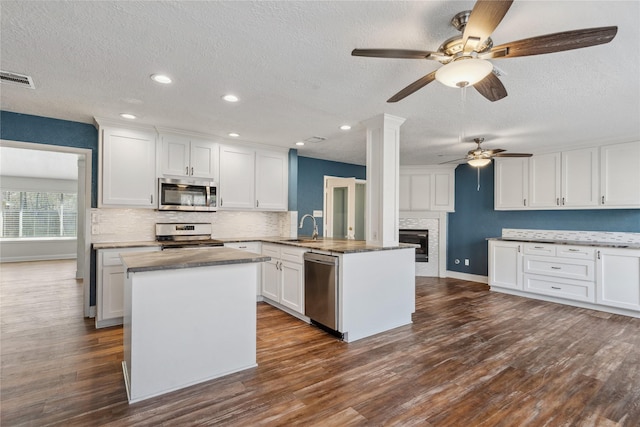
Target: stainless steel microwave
[187,195]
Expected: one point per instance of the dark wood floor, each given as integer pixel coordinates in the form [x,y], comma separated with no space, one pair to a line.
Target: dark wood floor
[470,358]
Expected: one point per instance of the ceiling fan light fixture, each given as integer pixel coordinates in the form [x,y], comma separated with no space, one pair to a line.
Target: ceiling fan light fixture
[464,72]
[478,163]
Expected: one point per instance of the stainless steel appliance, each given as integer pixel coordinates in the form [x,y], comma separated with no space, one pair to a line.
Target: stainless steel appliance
[321,290]
[181,235]
[416,237]
[187,195]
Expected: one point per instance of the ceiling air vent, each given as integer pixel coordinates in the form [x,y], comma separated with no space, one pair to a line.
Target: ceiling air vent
[16,79]
[315,139]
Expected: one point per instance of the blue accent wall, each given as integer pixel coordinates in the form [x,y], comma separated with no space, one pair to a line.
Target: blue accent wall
[44,130]
[310,195]
[293,180]
[475,220]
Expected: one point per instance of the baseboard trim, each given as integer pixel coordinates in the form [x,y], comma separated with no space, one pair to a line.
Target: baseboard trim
[466,276]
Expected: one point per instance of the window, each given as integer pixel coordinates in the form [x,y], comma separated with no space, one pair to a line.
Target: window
[35,214]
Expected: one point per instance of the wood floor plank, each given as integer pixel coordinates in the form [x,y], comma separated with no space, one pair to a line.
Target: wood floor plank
[471,357]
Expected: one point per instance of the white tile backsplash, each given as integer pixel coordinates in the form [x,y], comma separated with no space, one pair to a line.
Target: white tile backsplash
[571,235]
[132,225]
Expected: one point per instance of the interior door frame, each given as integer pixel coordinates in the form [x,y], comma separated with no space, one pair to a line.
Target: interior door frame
[83,261]
[331,182]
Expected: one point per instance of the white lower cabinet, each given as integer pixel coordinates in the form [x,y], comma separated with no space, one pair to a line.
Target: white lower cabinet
[618,277]
[254,247]
[110,285]
[601,278]
[283,276]
[505,264]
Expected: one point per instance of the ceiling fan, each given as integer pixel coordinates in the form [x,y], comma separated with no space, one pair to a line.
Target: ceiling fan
[481,157]
[465,57]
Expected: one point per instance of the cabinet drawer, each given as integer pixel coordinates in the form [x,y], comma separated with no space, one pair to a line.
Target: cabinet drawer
[245,246]
[578,252]
[560,267]
[547,249]
[564,288]
[293,254]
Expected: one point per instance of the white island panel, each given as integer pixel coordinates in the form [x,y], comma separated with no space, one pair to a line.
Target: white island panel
[377,292]
[186,326]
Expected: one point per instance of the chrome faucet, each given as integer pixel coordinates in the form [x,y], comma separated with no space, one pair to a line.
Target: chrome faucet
[314,236]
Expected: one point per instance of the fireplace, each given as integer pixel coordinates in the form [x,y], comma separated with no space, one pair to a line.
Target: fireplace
[417,237]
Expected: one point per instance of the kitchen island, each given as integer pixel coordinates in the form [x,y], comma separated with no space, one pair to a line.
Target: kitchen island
[189,316]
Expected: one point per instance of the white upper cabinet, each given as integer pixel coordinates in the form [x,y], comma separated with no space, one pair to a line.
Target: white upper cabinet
[272,180]
[128,168]
[511,183]
[544,181]
[605,177]
[580,178]
[424,188]
[184,156]
[253,179]
[620,175]
[237,177]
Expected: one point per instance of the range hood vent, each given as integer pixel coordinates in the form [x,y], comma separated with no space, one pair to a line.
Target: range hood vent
[16,79]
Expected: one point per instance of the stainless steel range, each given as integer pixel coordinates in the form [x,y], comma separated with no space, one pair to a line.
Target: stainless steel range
[185,235]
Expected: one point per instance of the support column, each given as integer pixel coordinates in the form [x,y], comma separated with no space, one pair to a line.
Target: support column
[383,165]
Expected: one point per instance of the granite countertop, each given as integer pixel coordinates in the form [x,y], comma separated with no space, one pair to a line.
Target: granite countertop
[342,246]
[187,258]
[621,245]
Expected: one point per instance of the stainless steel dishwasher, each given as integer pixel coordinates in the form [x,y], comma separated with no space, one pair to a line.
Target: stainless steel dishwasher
[321,290]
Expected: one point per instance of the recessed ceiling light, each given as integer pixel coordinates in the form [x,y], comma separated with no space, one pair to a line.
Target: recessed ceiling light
[128,116]
[161,78]
[230,98]
[299,143]
[233,134]
[345,127]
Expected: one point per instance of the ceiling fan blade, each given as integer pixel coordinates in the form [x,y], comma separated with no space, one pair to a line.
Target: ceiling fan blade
[513,155]
[491,88]
[392,53]
[484,18]
[455,161]
[418,84]
[494,152]
[558,42]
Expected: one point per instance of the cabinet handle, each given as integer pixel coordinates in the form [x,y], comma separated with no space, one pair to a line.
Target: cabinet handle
[220,201]
[574,250]
[191,170]
[518,248]
[557,201]
[556,268]
[151,199]
[257,203]
[598,254]
[186,170]
[525,202]
[563,201]
[242,247]
[556,287]
[603,200]
[538,247]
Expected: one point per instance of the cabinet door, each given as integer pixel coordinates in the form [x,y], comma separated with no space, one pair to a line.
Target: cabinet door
[505,264]
[292,291]
[271,274]
[620,175]
[618,277]
[128,168]
[442,191]
[404,190]
[580,178]
[111,293]
[420,192]
[237,178]
[272,177]
[544,181]
[203,159]
[511,183]
[175,155]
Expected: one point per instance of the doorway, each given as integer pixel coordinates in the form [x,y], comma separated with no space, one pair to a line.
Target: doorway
[344,208]
[83,174]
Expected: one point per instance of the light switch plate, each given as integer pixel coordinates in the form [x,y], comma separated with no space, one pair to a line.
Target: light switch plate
[317,214]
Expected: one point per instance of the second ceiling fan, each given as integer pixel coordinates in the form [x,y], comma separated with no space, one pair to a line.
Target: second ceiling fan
[465,57]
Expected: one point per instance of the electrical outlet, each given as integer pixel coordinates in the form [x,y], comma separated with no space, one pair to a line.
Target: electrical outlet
[95,229]
[466,261]
[94,217]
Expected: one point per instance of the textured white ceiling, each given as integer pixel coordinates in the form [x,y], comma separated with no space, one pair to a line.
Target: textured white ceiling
[290,64]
